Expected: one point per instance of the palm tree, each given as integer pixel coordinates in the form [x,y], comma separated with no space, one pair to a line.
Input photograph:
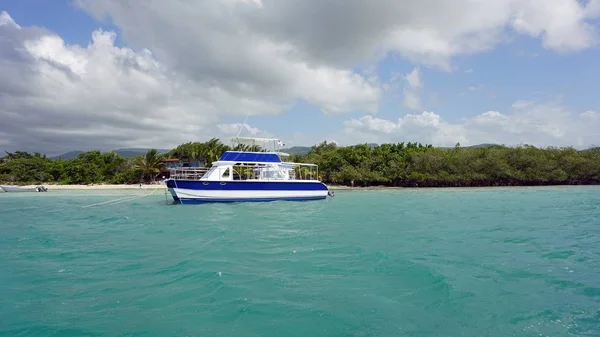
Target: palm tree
[247,147]
[214,149]
[150,164]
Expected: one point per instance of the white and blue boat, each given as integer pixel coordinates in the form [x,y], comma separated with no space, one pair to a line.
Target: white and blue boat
[243,176]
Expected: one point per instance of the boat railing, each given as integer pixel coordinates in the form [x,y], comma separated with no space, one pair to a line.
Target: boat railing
[187,173]
[246,171]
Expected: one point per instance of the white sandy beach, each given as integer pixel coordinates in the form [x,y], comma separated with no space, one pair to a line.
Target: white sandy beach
[51,187]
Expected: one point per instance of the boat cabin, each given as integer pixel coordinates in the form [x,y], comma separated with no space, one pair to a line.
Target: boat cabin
[241,165]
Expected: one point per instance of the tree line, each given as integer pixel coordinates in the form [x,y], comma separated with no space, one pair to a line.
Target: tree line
[417,165]
[399,164]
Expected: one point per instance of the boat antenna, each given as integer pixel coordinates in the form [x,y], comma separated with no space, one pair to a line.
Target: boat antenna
[242,126]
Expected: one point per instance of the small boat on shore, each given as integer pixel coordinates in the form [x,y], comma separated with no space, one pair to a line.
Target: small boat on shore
[39,188]
[241,176]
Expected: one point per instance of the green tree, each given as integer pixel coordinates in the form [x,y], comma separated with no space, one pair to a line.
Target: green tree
[150,165]
[397,164]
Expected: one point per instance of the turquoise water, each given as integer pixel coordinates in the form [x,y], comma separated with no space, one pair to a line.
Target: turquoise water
[422,262]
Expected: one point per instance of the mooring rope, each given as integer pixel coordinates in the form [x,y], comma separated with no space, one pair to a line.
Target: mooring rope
[121,200]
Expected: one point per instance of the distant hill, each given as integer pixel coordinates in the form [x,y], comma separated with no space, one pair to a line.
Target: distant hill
[484,145]
[134,152]
[127,153]
[303,150]
[68,155]
[592,149]
[297,150]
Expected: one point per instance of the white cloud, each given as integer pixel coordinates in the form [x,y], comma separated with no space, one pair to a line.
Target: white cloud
[307,139]
[590,115]
[214,42]
[275,35]
[56,97]
[414,79]
[560,23]
[472,88]
[244,130]
[592,9]
[426,127]
[412,90]
[189,65]
[7,20]
[540,124]
[412,100]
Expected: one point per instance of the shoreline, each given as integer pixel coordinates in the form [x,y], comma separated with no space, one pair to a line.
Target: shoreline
[56,187]
[95,187]
[53,187]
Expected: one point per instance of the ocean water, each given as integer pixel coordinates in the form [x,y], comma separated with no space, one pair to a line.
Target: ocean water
[409,262]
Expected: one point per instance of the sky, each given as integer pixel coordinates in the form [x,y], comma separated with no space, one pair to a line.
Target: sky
[108,74]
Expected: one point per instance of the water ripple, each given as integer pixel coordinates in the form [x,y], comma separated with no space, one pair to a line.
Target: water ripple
[455,262]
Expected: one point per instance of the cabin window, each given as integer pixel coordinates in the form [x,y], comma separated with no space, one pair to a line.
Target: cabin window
[271,174]
[209,172]
[226,173]
[238,175]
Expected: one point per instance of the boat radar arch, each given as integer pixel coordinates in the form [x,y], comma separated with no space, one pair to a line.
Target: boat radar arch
[267,144]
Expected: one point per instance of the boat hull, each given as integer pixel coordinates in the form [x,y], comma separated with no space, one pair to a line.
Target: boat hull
[22,189]
[187,191]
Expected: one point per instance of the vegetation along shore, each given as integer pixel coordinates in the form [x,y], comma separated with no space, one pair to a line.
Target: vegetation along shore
[398,165]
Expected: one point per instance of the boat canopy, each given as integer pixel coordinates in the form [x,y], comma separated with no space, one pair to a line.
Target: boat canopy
[252,140]
[250,157]
[287,163]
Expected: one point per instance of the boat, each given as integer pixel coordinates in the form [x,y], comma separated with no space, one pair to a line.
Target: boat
[6,188]
[246,176]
